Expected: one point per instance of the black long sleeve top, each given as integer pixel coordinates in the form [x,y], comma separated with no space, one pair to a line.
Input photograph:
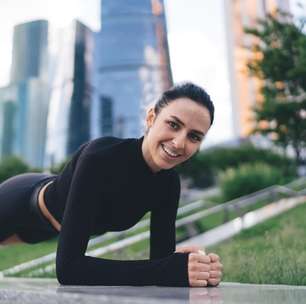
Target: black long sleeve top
[108,186]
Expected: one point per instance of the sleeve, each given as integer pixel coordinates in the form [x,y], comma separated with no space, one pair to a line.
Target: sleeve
[162,228]
[73,267]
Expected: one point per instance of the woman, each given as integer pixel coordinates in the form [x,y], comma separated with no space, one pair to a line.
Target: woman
[109,185]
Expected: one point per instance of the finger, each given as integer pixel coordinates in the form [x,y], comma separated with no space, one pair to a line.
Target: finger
[198,267]
[202,276]
[216,266]
[198,258]
[213,282]
[201,267]
[199,283]
[214,257]
[186,249]
[203,259]
[202,252]
[215,274]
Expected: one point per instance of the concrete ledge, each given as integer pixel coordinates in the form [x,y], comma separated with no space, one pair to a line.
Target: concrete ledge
[47,291]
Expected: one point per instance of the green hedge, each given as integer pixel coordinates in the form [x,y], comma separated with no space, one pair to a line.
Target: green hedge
[204,168]
[248,178]
[14,165]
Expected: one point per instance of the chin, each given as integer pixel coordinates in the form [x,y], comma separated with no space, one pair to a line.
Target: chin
[165,166]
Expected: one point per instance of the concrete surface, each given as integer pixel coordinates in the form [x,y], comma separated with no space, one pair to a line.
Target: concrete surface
[48,291]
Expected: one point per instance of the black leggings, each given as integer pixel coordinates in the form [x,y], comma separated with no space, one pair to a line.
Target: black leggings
[19,211]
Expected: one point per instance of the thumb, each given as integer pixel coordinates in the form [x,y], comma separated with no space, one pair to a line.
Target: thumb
[186,249]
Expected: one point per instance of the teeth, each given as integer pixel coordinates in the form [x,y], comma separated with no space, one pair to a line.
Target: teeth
[169,152]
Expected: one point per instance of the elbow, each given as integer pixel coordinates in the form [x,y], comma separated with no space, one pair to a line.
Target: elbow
[63,274]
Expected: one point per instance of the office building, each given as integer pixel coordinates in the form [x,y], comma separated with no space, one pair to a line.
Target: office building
[131,65]
[69,116]
[24,103]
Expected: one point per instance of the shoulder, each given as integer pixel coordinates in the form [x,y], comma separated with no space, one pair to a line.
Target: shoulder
[107,147]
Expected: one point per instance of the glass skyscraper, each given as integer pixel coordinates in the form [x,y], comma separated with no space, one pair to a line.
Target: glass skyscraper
[131,65]
[69,117]
[30,54]
[25,100]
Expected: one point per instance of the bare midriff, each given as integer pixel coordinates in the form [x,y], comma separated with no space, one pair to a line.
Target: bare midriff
[45,210]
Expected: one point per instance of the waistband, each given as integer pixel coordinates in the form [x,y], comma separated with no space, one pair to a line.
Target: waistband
[34,207]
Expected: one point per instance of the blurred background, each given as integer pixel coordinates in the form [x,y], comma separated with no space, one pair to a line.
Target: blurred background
[75,70]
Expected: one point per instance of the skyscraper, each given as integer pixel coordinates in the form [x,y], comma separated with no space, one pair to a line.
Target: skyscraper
[69,119]
[132,65]
[30,54]
[8,97]
[25,134]
[245,91]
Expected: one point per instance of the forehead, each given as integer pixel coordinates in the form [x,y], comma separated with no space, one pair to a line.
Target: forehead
[192,114]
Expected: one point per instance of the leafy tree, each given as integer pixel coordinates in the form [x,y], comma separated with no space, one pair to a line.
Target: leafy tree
[12,165]
[280,62]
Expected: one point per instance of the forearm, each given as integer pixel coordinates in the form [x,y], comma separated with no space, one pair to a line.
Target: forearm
[168,271]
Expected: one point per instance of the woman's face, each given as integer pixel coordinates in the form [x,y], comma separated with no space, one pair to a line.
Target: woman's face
[175,134]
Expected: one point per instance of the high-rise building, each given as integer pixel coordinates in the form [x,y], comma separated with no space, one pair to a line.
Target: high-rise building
[132,66]
[245,90]
[24,134]
[69,117]
[30,54]
[8,98]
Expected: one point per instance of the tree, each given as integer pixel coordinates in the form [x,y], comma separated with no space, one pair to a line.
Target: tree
[10,166]
[280,62]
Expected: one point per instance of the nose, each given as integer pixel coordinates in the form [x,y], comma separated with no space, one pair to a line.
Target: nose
[179,142]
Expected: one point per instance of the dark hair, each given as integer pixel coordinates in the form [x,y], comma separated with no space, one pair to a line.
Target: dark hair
[189,90]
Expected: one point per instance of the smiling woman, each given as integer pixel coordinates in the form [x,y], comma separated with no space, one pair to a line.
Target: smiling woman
[109,185]
[176,126]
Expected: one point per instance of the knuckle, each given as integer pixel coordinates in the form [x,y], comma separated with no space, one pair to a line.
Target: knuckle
[205,275]
[192,257]
[207,259]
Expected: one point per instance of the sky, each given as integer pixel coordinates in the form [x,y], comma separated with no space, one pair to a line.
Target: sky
[196,35]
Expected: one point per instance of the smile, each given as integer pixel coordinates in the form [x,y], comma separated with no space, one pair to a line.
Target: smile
[169,152]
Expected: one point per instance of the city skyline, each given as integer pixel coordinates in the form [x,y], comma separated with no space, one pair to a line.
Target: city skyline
[197,45]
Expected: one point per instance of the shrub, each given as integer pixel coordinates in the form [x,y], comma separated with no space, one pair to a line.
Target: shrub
[248,178]
[10,166]
[204,168]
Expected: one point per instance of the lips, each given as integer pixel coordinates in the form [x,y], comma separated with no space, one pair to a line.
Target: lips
[169,152]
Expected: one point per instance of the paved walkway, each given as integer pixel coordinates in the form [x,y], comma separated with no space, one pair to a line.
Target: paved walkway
[48,291]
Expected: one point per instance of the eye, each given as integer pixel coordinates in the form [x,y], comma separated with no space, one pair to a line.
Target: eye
[195,137]
[173,125]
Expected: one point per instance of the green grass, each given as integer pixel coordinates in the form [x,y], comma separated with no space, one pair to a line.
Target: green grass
[273,252]
[137,251]
[19,253]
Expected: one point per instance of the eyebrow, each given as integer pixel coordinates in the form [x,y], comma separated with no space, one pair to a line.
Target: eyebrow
[180,122]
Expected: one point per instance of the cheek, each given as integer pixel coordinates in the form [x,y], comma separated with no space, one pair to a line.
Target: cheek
[192,151]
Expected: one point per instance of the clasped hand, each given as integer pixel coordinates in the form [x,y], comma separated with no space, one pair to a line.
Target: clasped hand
[203,269]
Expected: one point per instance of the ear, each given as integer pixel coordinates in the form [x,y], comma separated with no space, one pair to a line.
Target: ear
[150,117]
